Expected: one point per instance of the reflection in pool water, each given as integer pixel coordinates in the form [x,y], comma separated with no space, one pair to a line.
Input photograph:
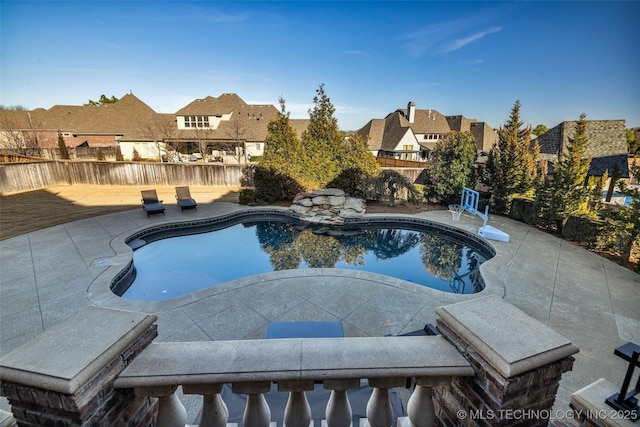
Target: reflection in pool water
[176,266]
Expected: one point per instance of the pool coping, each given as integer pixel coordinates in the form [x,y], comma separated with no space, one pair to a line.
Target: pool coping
[99,291]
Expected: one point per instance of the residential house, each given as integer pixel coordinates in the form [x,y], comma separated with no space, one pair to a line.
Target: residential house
[226,124]
[412,134]
[607,145]
[84,126]
[210,126]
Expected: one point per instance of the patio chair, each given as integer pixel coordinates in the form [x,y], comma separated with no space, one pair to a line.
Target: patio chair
[150,202]
[185,201]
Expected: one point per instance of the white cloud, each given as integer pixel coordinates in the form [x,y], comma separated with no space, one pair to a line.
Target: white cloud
[448,36]
[356,53]
[459,43]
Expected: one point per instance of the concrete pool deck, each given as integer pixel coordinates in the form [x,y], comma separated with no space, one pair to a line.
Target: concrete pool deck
[48,275]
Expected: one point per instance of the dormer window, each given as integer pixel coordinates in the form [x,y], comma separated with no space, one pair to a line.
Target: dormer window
[196,121]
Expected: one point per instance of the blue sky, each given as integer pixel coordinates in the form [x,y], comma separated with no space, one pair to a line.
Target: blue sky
[560,59]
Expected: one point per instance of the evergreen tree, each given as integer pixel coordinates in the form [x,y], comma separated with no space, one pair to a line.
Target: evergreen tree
[102,101]
[570,192]
[283,151]
[323,142]
[119,156]
[64,152]
[451,168]
[358,167]
[359,157]
[511,164]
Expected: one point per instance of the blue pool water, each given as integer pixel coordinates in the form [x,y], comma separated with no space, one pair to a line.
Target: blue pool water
[171,267]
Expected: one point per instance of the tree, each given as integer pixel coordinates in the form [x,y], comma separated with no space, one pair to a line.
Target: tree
[511,167]
[119,156]
[388,184]
[358,156]
[13,107]
[626,227]
[539,130]
[633,143]
[567,192]
[323,143]
[102,101]
[359,166]
[64,153]
[282,148]
[451,168]
[160,131]
[321,158]
[238,132]
[19,130]
[280,171]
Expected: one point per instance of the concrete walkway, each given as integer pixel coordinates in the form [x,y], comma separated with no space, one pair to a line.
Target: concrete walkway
[48,275]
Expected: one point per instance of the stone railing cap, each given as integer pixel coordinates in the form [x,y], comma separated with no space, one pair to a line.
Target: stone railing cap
[296,359]
[511,340]
[68,354]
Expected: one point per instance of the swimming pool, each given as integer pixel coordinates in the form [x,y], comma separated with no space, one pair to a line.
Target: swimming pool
[178,259]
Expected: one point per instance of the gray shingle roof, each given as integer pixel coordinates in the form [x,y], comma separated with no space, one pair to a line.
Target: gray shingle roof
[607,144]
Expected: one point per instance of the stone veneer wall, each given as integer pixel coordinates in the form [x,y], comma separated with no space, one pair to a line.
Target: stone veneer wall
[74,387]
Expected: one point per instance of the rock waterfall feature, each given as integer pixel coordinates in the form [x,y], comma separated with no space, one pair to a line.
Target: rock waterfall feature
[328,206]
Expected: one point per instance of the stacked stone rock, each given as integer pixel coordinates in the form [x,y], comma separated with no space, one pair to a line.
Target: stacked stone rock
[328,206]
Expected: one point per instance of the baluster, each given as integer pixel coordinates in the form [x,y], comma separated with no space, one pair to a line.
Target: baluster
[338,412]
[257,412]
[214,411]
[298,412]
[420,406]
[379,410]
[171,412]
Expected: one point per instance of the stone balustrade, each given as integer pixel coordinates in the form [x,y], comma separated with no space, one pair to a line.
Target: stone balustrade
[101,367]
[251,366]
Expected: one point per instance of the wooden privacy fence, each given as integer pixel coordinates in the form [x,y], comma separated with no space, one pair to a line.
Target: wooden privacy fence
[390,162]
[17,177]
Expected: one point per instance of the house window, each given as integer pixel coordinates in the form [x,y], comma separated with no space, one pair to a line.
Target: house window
[196,121]
[406,155]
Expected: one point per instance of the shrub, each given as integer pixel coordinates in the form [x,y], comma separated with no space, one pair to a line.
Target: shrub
[246,196]
[62,147]
[583,230]
[271,186]
[350,181]
[136,156]
[391,185]
[100,154]
[523,210]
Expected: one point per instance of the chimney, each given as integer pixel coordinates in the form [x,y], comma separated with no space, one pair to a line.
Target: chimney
[411,112]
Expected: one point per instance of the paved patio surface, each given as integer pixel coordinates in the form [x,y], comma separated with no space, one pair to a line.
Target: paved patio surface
[48,275]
